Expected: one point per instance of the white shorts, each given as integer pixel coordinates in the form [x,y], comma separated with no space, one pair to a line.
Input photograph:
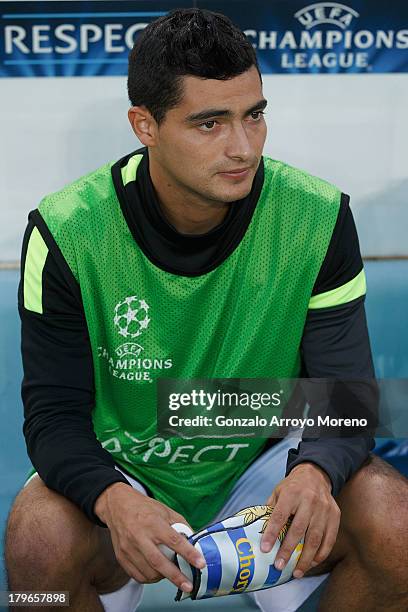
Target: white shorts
[253,487]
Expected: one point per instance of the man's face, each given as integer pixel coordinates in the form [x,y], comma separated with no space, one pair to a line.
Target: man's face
[217,128]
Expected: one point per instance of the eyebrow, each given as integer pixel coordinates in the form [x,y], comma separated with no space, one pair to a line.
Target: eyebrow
[217,112]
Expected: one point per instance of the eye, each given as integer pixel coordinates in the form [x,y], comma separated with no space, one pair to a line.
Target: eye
[257,115]
[207,126]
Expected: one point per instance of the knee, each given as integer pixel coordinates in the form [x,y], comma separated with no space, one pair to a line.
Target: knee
[377,524]
[46,532]
[385,547]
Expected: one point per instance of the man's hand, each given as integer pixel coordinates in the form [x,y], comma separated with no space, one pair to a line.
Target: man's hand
[138,524]
[306,495]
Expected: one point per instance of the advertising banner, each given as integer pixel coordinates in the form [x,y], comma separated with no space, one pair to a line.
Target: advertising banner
[47,39]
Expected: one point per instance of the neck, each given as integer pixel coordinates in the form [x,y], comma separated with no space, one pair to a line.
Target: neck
[186,211]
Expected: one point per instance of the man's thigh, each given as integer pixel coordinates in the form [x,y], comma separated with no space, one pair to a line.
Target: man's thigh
[372,503]
[57,518]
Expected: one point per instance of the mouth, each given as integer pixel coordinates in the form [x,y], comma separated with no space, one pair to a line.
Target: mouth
[236,173]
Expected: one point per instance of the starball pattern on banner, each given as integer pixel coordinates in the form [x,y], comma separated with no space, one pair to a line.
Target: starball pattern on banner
[294,37]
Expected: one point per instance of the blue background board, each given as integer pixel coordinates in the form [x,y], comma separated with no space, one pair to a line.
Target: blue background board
[386,302]
[291,36]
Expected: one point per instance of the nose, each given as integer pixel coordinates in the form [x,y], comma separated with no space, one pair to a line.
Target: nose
[238,146]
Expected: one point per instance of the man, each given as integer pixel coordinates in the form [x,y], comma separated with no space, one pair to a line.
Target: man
[194,256]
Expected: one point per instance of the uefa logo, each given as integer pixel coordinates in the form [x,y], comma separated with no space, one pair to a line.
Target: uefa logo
[326,12]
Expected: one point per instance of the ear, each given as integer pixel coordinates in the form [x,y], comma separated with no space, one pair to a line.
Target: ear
[143,124]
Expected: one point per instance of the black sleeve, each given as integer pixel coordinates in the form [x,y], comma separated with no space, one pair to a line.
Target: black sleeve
[335,344]
[58,386]
[343,258]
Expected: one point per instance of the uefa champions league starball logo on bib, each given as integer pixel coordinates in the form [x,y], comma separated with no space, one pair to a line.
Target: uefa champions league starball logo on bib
[130,361]
[131,317]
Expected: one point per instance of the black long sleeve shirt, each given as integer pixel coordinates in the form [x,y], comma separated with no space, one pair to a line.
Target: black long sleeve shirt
[58,386]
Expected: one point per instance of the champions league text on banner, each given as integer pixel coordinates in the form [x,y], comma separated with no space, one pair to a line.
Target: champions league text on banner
[296,37]
[292,37]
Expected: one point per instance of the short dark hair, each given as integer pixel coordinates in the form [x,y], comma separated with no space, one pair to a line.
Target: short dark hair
[190,41]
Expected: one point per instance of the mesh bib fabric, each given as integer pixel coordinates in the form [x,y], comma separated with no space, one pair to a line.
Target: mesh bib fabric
[243,319]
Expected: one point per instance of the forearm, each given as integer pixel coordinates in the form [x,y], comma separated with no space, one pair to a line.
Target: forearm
[335,345]
[340,458]
[339,451]
[58,393]
[65,452]
[102,505]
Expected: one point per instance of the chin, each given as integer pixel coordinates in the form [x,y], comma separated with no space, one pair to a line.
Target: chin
[231,192]
[235,194]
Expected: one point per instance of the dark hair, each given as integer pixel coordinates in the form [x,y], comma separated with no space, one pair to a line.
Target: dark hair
[185,42]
